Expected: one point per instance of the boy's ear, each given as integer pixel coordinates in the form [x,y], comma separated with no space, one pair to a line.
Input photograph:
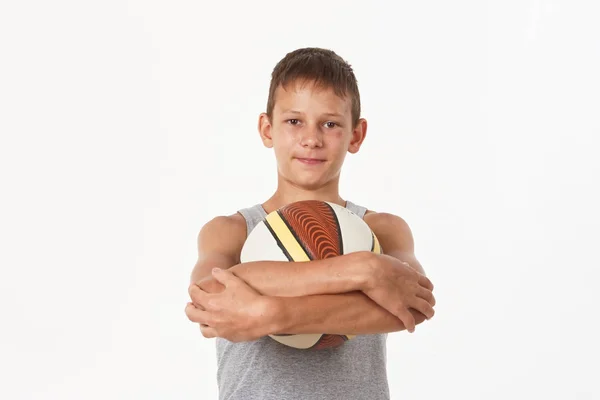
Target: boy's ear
[264,129]
[358,136]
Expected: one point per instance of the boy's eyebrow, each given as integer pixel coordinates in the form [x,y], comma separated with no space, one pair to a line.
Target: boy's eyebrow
[328,114]
[333,114]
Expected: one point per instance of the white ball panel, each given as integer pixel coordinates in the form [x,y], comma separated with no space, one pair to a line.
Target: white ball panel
[301,341]
[356,234]
[261,246]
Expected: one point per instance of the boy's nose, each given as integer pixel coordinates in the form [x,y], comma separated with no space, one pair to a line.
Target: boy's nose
[311,138]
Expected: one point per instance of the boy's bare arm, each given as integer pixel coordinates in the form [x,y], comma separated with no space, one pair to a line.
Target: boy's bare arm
[351,313]
[291,279]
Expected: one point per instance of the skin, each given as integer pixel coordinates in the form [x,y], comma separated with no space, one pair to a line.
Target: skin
[358,293]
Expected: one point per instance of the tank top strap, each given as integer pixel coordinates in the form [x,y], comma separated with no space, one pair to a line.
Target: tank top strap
[253,216]
[356,209]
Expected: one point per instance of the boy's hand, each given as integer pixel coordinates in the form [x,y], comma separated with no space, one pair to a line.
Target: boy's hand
[238,313]
[397,287]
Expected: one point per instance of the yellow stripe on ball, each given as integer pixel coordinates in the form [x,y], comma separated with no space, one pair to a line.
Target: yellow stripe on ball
[286,237]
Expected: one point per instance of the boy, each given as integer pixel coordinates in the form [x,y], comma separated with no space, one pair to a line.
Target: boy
[312,120]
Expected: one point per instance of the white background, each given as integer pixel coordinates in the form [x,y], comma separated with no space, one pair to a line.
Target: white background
[128,125]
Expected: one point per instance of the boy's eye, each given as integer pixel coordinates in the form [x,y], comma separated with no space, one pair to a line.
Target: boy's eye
[292,121]
[331,124]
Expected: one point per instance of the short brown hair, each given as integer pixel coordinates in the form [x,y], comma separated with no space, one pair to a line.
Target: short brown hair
[323,67]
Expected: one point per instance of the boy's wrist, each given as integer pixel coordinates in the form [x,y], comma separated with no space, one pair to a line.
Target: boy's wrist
[361,274]
[276,315]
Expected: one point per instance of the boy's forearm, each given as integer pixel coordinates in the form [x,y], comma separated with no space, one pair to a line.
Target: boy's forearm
[351,313]
[292,279]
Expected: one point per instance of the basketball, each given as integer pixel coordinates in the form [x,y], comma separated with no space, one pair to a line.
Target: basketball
[304,231]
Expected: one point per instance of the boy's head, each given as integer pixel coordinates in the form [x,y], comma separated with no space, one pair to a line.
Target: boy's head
[320,67]
[313,116]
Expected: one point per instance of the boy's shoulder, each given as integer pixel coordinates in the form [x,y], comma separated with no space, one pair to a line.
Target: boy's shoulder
[387,224]
[381,216]
[232,226]
[231,223]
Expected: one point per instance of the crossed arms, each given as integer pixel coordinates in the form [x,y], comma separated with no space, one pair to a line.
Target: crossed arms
[358,293]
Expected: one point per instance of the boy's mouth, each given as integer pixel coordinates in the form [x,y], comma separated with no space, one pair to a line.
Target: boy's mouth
[310,161]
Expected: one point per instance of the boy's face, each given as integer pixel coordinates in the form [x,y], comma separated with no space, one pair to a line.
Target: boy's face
[311,131]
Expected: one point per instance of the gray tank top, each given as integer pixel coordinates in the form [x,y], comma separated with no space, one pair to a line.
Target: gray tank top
[267,370]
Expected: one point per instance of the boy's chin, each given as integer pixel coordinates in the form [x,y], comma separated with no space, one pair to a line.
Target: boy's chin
[310,183]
